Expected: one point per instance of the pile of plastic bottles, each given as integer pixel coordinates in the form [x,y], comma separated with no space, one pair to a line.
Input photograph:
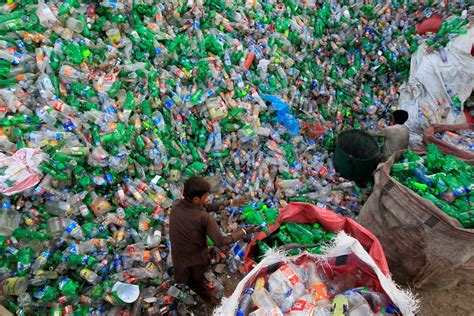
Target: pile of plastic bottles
[312,237]
[127,98]
[463,140]
[298,290]
[260,214]
[445,180]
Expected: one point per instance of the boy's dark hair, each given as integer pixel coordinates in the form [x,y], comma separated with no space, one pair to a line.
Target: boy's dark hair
[400,116]
[195,187]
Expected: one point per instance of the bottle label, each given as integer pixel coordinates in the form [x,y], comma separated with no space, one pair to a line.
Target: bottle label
[289,274]
[41,292]
[319,291]
[11,251]
[137,196]
[301,305]
[97,242]
[146,255]
[84,210]
[59,135]
[22,266]
[71,227]
[120,212]
[142,186]
[73,249]
[45,254]
[157,256]
[322,172]
[144,226]
[69,125]
[85,260]
[120,235]
[85,273]
[58,105]
[100,207]
[11,286]
[68,71]
[77,151]
[62,283]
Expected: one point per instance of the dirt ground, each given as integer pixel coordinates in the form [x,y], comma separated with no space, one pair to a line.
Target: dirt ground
[230,282]
[455,302]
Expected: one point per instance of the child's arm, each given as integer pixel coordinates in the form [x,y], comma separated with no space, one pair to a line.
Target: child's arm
[213,231]
[374,132]
[214,207]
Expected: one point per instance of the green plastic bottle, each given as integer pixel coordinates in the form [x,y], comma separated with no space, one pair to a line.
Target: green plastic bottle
[47,294]
[404,166]
[467,219]
[22,233]
[416,186]
[25,257]
[318,233]
[299,233]
[434,158]
[271,214]
[86,260]
[255,217]
[262,248]
[283,236]
[67,286]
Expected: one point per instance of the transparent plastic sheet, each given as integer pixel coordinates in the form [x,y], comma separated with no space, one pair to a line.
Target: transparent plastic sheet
[426,93]
[357,258]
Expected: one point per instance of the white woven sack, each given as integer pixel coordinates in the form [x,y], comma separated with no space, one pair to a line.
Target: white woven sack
[342,245]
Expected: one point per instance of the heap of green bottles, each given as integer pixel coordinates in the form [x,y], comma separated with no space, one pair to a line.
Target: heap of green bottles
[314,236]
[443,179]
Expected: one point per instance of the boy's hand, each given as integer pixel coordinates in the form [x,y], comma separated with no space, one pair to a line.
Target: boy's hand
[239,202]
[252,229]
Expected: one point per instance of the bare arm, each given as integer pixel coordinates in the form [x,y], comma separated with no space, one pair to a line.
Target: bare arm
[214,207]
[373,132]
[212,230]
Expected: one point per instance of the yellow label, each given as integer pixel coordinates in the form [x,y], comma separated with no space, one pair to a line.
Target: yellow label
[12,286]
[115,38]
[85,273]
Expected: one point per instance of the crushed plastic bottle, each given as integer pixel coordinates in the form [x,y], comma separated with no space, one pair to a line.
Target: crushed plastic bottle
[128,98]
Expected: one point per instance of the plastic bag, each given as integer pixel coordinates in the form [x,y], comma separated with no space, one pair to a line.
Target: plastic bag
[346,257]
[436,90]
[20,171]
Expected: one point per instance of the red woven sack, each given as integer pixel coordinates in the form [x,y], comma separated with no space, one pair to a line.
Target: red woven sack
[306,213]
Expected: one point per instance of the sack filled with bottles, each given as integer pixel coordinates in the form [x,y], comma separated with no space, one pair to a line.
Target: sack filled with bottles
[443,179]
[311,237]
[311,227]
[344,280]
[456,140]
